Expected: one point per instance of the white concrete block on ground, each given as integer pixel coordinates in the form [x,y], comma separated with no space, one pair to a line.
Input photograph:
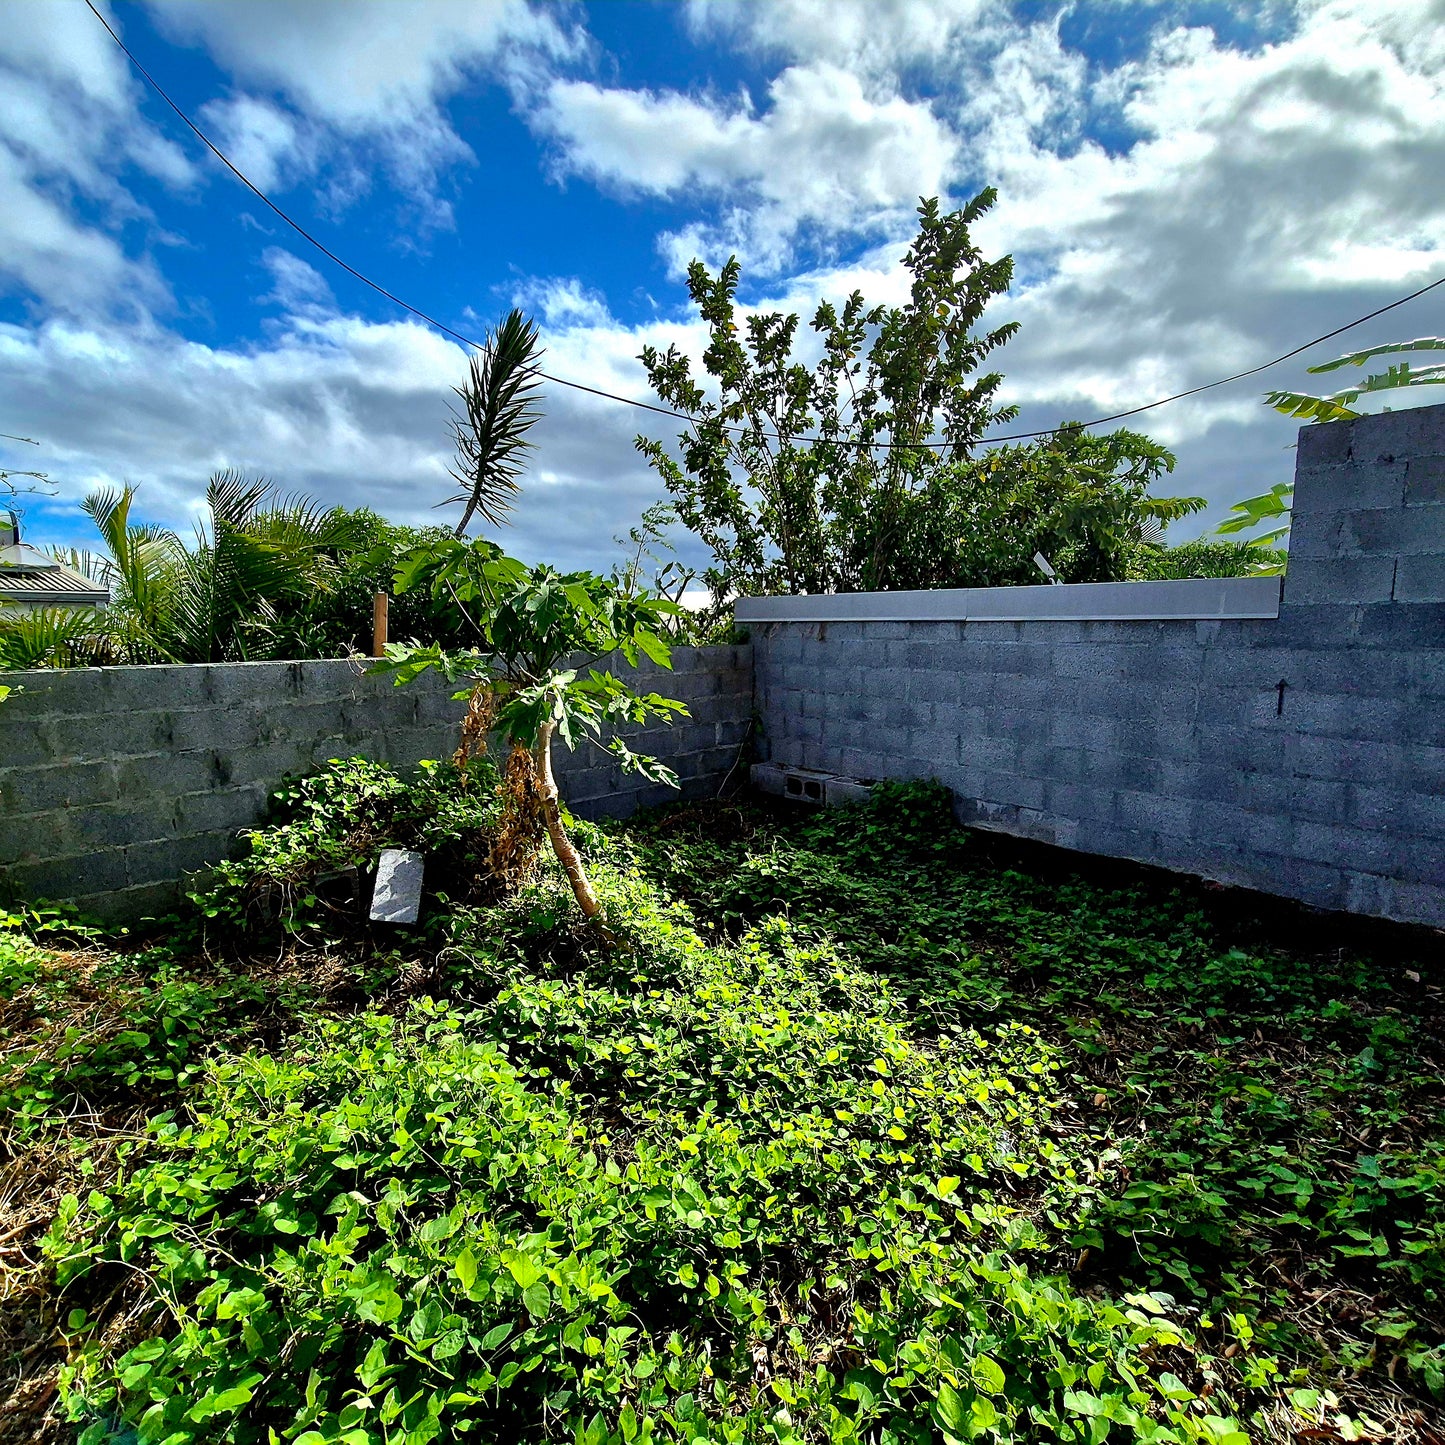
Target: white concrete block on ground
[397,895]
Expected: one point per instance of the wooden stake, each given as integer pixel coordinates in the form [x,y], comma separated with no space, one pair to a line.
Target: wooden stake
[378,625]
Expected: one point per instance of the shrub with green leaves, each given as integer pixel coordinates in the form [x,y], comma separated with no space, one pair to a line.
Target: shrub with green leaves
[331,828]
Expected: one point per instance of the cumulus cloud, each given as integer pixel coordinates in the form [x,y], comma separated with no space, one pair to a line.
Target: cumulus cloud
[68,127]
[265,143]
[825,152]
[875,36]
[369,69]
[348,411]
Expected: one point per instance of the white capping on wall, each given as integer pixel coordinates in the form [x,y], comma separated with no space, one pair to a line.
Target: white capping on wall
[1227,597]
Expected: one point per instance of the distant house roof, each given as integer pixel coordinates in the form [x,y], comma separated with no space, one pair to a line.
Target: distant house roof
[28,575]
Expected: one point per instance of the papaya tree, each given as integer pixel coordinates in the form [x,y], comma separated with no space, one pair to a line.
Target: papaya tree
[533,676]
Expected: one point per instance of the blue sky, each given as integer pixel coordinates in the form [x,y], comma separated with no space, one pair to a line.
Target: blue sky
[1187,189]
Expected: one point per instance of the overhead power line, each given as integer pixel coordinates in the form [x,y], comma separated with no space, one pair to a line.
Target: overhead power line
[10,438]
[475,345]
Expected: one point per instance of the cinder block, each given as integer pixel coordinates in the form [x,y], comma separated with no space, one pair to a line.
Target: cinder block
[1322,885]
[25,742]
[1359,850]
[1413,902]
[230,809]
[1357,487]
[1325,444]
[1340,580]
[1425,481]
[36,836]
[1413,432]
[271,762]
[69,876]
[168,774]
[1244,830]
[845,792]
[67,785]
[1079,801]
[1421,769]
[141,689]
[130,905]
[1391,809]
[1339,715]
[997,786]
[115,825]
[1077,730]
[1348,760]
[1402,624]
[214,728]
[1421,579]
[1153,813]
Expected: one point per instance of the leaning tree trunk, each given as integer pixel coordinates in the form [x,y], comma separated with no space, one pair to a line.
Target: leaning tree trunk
[567,855]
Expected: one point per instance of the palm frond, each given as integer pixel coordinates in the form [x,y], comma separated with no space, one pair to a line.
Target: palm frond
[90,565]
[1266,507]
[56,637]
[498,409]
[1312,408]
[1359,358]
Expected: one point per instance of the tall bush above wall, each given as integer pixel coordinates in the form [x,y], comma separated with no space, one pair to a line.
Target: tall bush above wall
[867,470]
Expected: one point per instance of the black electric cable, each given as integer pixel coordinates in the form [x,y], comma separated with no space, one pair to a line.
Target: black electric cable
[668,411]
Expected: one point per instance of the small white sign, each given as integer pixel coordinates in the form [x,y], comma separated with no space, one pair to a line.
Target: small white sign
[1042,563]
[397,895]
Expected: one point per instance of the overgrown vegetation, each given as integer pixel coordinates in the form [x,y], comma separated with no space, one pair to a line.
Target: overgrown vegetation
[858,1132]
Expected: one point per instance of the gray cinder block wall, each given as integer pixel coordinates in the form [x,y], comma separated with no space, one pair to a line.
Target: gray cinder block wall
[116,781]
[1301,754]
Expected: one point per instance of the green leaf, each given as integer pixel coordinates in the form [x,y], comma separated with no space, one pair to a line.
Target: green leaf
[538,1300]
[988,1374]
[948,1408]
[465,1267]
[221,1401]
[495,1336]
[522,1267]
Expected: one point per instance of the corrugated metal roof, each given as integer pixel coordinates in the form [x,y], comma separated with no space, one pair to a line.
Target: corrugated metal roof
[57,584]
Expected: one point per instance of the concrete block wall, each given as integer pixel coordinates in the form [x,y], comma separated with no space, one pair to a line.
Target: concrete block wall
[116,781]
[1172,742]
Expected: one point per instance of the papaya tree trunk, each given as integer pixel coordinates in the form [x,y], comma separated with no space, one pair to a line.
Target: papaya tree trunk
[567,855]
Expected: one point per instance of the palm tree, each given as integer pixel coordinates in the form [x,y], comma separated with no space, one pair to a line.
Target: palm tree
[498,409]
[258,563]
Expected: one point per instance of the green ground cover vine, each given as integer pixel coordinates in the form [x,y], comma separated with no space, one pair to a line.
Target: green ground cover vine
[861,1130]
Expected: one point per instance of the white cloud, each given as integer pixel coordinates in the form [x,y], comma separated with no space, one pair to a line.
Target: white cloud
[296,287]
[867,36]
[826,153]
[68,124]
[368,69]
[266,144]
[342,409]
